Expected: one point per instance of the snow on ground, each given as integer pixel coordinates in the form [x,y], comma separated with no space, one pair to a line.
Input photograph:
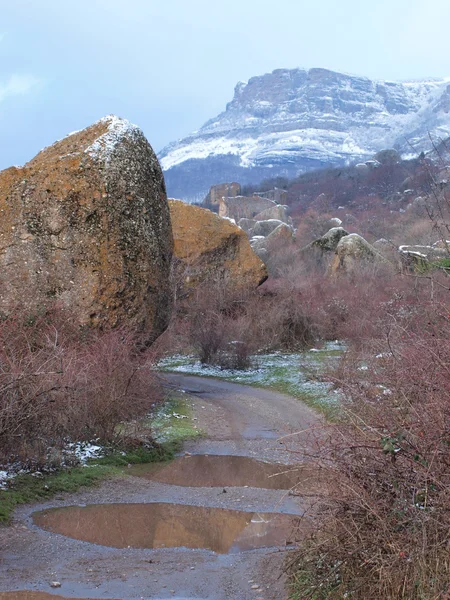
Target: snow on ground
[85,450]
[297,374]
[73,453]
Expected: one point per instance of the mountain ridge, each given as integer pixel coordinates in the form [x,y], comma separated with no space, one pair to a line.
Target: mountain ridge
[293,120]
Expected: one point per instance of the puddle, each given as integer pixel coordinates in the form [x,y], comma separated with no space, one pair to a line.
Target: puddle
[221,471]
[161,525]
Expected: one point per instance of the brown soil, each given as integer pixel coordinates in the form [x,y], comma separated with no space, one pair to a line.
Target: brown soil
[255,425]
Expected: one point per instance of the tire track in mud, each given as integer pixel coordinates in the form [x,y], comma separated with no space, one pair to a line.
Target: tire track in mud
[239,421]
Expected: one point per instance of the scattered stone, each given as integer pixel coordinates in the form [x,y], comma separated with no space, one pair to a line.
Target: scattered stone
[55,584]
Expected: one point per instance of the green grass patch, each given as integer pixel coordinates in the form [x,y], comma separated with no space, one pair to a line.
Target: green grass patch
[298,375]
[171,425]
[28,488]
[444,263]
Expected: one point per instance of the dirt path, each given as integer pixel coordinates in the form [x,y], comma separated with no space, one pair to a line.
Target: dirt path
[238,420]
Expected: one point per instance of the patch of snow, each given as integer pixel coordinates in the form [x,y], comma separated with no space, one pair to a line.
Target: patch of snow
[103,148]
[296,371]
[5,476]
[85,450]
[177,416]
[228,219]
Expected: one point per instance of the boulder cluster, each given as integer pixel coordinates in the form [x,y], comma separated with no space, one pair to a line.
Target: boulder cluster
[262,216]
[86,223]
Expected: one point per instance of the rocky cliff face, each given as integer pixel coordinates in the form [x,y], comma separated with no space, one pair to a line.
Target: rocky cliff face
[87,222]
[289,121]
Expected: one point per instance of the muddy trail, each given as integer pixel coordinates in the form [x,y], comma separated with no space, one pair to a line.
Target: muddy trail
[215,524]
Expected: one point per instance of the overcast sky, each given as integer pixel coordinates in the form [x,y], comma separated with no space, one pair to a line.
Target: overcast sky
[169,65]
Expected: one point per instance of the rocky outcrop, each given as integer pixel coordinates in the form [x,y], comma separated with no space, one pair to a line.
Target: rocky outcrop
[264,228]
[210,248]
[277,211]
[353,253]
[86,222]
[330,240]
[424,257]
[243,207]
[222,190]
[430,253]
[281,235]
[277,195]
[293,120]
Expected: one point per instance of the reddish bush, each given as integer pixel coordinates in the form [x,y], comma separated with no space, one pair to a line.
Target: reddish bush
[60,383]
[388,463]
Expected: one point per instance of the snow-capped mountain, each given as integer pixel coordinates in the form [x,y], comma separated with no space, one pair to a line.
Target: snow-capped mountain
[289,121]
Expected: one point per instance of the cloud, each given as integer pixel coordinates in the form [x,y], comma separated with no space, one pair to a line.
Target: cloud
[17,85]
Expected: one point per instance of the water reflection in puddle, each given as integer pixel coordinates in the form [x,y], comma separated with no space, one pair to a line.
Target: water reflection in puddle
[221,471]
[161,525]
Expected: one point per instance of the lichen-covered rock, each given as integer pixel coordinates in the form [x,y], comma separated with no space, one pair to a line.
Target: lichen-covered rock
[246,224]
[278,211]
[325,244]
[353,252]
[222,190]
[87,222]
[423,257]
[243,207]
[208,247]
[329,241]
[264,228]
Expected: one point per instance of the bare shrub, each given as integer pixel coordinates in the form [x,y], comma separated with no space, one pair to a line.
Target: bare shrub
[385,531]
[59,382]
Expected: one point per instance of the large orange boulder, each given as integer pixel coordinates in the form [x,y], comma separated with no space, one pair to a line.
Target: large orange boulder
[87,222]
[208,247]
